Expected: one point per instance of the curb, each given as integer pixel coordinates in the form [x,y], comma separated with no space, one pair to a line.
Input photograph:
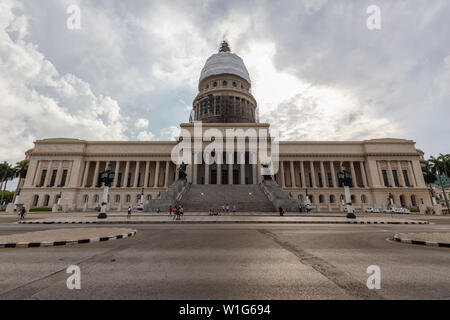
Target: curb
[223,222]
[422,243]
[65,243]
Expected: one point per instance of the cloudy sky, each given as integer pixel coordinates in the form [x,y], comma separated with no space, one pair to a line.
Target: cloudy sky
[131,71]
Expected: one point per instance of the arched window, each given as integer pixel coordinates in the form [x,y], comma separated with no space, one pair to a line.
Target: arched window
[96,198]
[35,200]
[300,198]
[224,84]
[332,199]
[311,198]
[321,199]
[215,84]
[128,198]
[234,84]
[85,198]
[413,201]
[149,197]
[46,200]
[353,198]
[117,199]
[363,198]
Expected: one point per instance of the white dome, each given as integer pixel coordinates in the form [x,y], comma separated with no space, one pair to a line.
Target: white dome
[224,63]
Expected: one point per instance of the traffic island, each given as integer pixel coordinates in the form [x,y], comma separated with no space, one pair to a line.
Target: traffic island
[63,237]
[425,239]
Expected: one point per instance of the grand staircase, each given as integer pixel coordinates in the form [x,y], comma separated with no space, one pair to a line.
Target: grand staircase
[246,198]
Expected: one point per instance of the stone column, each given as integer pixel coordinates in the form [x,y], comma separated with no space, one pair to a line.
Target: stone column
[95,178]
[147,171]
[116,173]
[86,173]
[136,175]
[58,174]
[302,172]
[230,160]
[76,175]
[322,173]
[195,167]
[379,175]
[219,173]
[363,174]
[283,179]
[206,173]
[35,175]
[125,177]
[390,175]
[354,181]
[291,164]
[242,167]
[157,175]
[253,162]
[313,174]
[47,177]
[400,174]
[333,174]
[166,174]
[412,177]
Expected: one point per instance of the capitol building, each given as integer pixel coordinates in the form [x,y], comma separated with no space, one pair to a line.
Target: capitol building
[64,174]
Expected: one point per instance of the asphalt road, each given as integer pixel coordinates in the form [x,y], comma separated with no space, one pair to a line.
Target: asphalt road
[263,261]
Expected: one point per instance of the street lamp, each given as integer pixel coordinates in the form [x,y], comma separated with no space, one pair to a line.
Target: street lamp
[141,201]
[345,180]
[107,177]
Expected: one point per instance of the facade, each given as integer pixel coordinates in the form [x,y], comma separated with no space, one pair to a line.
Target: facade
[69,169]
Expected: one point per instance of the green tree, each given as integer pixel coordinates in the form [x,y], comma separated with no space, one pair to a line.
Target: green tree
[7,173]
[429,178]
[440,165]
[21,170]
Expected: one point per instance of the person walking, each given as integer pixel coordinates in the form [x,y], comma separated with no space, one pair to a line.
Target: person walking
[234,210]
[175,213]
[228,208]
[129,212]
[170,210]
[280,209]
[22,213]
[181,210]
[223,208]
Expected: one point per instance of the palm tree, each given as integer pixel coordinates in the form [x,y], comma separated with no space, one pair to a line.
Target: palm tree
[429,178]
[21,169]
[440,166]
[8,174]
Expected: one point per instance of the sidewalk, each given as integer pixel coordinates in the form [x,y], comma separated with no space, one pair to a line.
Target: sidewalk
[221,219]
[425,239]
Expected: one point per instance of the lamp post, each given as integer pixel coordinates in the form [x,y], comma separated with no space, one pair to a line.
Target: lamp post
[141,201]
[107,177]
[345,180]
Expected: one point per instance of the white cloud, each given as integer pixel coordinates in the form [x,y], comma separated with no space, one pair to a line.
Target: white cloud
[141,123]
[37,102]
[145,136]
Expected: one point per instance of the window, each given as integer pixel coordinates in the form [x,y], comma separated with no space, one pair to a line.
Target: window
[310,179]
[149,197]
[85,198]
[234,84]
[128,199]
[394,173]
[321,199]
[117,199]
[46,200]
[215,84]
[64,178]
[96,198]
[53,179]
[320,180]
[385,178]
[207,86]
[129,180]
[363,199]
[35,200]
[330,179]
[224,84]
[43,175]
[332,199]
[405,176]
[119,180]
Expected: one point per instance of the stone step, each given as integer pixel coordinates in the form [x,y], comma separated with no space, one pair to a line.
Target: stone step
[249,198]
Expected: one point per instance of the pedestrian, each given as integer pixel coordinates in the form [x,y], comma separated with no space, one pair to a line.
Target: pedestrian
[223,208]
[182,210]
[175,213]
[280,209]
[234,210]
[228,208]
[22,213]
[158,211]
[170,210]
[129,212]
[211,213]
